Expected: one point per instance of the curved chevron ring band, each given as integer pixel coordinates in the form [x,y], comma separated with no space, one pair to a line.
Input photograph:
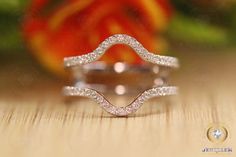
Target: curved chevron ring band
[121,39]
[120,111]
[86,90]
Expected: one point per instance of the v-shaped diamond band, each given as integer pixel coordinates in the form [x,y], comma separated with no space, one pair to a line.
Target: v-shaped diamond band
[120,111]
[84,90]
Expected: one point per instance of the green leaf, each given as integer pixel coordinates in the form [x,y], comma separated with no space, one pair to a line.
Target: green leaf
[190,30]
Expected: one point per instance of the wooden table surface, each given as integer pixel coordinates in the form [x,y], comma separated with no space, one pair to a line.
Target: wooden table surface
[35,121]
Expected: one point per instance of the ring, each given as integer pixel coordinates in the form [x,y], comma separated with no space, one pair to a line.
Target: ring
[85,65]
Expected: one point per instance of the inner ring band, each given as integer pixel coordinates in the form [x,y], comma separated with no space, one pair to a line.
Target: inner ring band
[108,78]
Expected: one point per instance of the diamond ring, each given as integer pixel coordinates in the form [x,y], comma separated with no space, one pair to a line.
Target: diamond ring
[155,74]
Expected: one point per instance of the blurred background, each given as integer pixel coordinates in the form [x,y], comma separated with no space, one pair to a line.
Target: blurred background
[35,35]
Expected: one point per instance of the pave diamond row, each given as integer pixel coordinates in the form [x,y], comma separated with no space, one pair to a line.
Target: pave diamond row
[120,111]
[121,39]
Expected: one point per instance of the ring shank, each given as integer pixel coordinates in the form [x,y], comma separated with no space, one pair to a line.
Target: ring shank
[120,76]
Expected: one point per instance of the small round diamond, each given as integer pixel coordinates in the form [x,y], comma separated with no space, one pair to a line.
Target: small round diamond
[121,111]
[217,133]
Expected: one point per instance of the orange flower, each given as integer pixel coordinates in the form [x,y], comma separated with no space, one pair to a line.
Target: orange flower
[73,27]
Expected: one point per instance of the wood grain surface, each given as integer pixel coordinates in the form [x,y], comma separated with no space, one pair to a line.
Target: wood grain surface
[36,121]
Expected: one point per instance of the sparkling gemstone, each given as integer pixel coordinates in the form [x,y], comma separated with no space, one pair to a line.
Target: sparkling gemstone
[121,111]
[217,133]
